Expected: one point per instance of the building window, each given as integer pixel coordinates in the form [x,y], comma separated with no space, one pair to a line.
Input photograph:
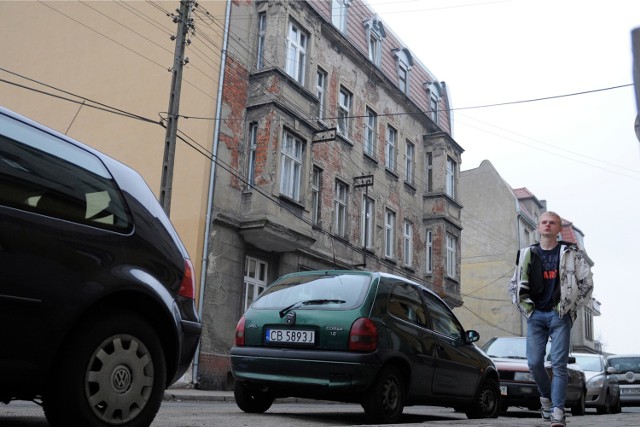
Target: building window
[262,32]
[366,234]
[370,129]
[344,112]
[340,209]
[292,148]
[429,251]
[321,91]
[409,161]
[450,189]
[316,184]
[255,279]
[389,233]
[339,14]
[451,255]
[404,62]
[253,146]
[375,33]
[296,52]
[390,149]
[434,109]
[403,77]
[429,172]
[407,243]
[588,324]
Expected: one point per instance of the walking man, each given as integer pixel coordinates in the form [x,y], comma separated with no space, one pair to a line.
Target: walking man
[552,279]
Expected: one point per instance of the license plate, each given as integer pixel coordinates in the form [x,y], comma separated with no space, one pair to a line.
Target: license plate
[629,390]
[503,390]
[290,336]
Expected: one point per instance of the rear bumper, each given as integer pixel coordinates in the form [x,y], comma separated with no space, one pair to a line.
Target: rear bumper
[291,372]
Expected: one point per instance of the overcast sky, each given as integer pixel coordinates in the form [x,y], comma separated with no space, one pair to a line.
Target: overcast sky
[578,152]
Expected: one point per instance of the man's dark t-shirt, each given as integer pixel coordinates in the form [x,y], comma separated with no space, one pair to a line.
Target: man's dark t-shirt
[550,262]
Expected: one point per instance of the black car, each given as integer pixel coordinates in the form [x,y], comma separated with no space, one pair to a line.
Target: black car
[96,290]
[364,337]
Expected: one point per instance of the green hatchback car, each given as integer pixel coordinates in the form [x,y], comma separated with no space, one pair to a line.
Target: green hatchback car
[371,338]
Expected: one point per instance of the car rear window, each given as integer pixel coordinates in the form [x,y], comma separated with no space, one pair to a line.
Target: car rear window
[319,292]
[42,173]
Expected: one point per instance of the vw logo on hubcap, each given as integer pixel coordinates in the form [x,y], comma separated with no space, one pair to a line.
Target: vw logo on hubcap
[121,379]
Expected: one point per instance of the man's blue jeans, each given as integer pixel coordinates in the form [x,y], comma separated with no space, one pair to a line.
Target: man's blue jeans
[542,326]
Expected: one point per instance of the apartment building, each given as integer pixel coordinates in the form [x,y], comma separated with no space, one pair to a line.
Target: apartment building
[335,153]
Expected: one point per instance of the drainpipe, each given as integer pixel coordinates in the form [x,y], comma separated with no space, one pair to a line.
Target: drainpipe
[212,182]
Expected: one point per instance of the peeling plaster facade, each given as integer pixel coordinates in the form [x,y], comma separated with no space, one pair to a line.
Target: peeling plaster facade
[286,194]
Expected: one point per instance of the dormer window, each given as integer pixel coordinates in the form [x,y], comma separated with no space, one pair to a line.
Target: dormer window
[375,34]
[434,89]
[404,62]
[339,14]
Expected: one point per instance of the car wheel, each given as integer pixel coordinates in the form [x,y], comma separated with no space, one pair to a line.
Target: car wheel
[252,400]
[606,408]
[486,403]
[112,372]
[384,402]
[580,406]
[616,408]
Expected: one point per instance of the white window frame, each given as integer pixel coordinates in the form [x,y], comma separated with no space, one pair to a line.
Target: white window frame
[403,77]
[452,250]
[253,147]
[409,163]
[375,47]
[407,243]
[254,284]
[345,102]
[434,108]
[321,92]
[429,252]
[316,182]
[389,233]
[296,58]
[367,218]
[390,148]
[370,132]
[339,10]
[340,203]
[262,33]
[291,173]
[450,182]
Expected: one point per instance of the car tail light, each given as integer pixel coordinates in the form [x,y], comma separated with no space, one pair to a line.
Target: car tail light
[187,285]
[363,335]
[239,341]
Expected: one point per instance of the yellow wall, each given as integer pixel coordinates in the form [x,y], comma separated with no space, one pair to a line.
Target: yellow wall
[119,54]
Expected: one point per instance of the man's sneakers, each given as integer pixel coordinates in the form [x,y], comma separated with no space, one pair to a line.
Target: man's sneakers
[557,418]
[545,408]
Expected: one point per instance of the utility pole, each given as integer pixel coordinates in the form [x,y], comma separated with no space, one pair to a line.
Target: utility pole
[185,22]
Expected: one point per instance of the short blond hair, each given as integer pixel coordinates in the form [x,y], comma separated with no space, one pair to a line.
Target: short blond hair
[553,214]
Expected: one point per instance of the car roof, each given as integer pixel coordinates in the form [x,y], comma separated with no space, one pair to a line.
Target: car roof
[620,356]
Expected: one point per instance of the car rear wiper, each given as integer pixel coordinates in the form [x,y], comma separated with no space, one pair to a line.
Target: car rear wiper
[285,310]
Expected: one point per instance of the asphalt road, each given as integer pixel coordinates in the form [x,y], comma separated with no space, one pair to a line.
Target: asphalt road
[208,413]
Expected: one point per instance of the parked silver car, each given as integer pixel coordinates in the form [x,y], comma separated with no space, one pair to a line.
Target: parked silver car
[603,389]
[627,368]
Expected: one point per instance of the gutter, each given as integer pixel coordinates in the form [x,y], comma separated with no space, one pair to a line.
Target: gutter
[212,182]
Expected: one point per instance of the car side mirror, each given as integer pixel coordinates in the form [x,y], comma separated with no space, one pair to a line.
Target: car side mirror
[471,336]
[571,359]
[611,370]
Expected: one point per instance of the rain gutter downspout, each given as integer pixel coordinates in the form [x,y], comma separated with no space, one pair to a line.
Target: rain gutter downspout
[212,182]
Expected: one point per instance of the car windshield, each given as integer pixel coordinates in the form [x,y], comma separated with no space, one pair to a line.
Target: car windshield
[589,363]
[510,348]
[326,291]
[626,364]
